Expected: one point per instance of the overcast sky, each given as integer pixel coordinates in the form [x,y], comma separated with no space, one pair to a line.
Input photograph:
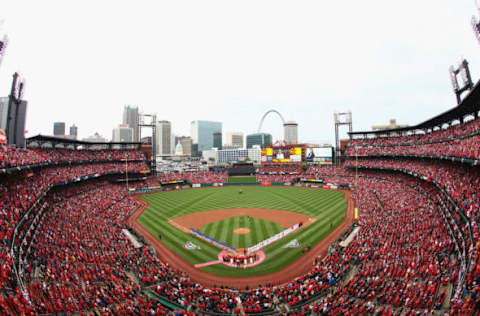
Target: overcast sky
[232,61]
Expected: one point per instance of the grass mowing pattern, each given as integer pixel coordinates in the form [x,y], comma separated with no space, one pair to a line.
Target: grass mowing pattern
[220,231]
[328,207]
[242,179]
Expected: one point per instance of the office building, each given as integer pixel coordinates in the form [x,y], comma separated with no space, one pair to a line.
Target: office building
[260,139]
[164,130]
[122,134]
[59,129]
[227,156]
[234,140]
[195,152]
[202,133]
[130,117]
[255,154]
[290,132]
[73,132]
[173,143]
[231,155]
[217,140]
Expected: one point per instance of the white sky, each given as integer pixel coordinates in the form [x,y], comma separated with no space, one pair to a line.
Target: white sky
[232,61]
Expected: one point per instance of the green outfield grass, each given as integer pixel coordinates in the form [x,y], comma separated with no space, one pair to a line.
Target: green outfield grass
[242,179]
[328,207]
[259,230]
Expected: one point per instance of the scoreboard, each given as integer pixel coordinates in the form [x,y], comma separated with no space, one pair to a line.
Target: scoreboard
[319,155]
[282,154]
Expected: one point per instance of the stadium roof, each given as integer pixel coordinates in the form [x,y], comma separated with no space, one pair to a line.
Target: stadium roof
[470,105]
[42,139]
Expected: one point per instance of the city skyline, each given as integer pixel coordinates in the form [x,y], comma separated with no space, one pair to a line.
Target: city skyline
[306,61]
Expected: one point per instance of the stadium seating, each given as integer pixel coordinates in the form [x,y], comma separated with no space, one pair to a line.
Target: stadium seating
[459,141]
[11,157]
[65,244]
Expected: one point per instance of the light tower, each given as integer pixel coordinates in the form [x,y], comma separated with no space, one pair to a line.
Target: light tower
[341,118]
[150,121]
[464,72]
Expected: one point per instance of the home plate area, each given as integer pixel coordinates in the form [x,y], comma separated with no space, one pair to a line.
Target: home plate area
[242,257]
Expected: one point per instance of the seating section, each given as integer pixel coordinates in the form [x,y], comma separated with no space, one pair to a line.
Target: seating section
[459,141]
[11,157]
[415,249]
[274,172]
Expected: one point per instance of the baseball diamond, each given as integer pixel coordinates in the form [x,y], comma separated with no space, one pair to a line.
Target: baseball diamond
[266,211]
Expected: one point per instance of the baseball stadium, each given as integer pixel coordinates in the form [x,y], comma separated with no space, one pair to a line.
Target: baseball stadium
[383,222]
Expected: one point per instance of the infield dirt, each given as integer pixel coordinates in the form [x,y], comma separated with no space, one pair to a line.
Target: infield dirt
[198,220]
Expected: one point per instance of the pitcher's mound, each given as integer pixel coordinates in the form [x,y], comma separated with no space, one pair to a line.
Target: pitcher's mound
[241,230]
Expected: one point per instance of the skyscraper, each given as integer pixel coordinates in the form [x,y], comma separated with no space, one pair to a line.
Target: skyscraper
[73,132]
[130,117]
[59,129]
[290,132]
[235,139]
[122,134]
[202,133]
[164,130]
[261,139]
[217,140]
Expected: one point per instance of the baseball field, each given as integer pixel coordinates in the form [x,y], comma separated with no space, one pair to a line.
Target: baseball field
[242,220]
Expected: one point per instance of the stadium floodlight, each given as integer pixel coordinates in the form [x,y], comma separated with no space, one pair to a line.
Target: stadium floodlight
[453,78]
[464,72]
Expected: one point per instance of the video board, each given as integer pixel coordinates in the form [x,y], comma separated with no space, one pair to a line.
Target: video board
[282,154]
[319,155]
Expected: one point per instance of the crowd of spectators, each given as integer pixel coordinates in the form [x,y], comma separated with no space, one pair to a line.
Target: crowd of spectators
[402,258]
[276,172]
[459,148]
[16,157]
[452,132]
[73,257]
[459,141]
[462,183]
[281,168]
